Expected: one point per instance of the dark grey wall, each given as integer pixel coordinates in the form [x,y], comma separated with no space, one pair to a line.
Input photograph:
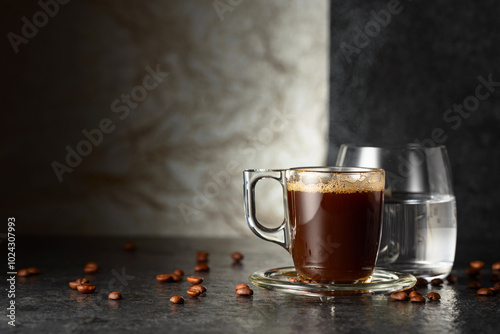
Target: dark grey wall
[401,83]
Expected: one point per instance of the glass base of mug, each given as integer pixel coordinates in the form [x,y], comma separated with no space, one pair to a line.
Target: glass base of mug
[427,270]
[382,282]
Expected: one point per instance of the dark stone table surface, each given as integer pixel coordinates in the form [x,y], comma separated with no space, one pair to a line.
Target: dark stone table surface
[45,303]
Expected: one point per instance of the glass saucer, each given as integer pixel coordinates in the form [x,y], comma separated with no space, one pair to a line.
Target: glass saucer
[382,282]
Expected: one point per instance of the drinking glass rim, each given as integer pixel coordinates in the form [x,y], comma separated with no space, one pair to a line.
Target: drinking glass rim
[393,146]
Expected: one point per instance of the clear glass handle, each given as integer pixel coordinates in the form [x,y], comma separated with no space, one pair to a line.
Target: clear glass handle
[278,235]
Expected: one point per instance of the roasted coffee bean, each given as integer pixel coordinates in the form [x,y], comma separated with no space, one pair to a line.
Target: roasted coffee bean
[115,295]
[293,279]
[484,292]
[436,282]
[91,268]
[493,290]
[84,280]
[400,296]
[199,287]
[79,281]
[495,266]
[474,285]
[177,300]
[414,293]
[433,296]
[201,267]
[476,264]
[497,286]
[33,270]
[202,256]
[241,286]
[73,285]
[410,290]
[194,279]
[129,246]
[472,272]
[23,273]
[417,299]
[176,278]
[164,278]
[421,282]
[237,257]
[179,272]
[244,292]
[193,292]
[451,278]
[86,288]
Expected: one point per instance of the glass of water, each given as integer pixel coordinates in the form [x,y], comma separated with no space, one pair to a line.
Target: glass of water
[419,230]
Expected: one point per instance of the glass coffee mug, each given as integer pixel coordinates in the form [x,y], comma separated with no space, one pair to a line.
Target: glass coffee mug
[332,219]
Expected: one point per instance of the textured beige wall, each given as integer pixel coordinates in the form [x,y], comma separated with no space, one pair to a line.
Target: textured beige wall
[246,88]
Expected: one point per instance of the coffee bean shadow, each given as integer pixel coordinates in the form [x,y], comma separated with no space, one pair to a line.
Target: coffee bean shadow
[244,300]
[113,304]
[237,266]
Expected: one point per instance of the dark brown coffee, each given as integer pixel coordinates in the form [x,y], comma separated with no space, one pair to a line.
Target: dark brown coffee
[334,232]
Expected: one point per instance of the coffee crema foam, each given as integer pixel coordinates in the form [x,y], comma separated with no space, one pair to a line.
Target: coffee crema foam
[340,185]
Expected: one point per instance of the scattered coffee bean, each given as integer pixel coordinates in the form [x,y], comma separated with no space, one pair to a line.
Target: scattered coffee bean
[164,278]
[79,281]
[421,282]
[241,286]
[33,270]
[201,267]
[115,295]
[237,257]
[414,293]
[86,288]
[472,272]
[199,287]
[91,268]
[129,246]
[417,299]
[73,285]
[476,264]
[437,282]
[244,292]
[176,278]
[484,292]
[194,279]
[293,279]
[493,290]
[177,300]
[451,278]
[179,272]
[23,273]
[84,280]
[495,266]
[400,296]
[474,285]
[193,293]
[433,296]
[202,256]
